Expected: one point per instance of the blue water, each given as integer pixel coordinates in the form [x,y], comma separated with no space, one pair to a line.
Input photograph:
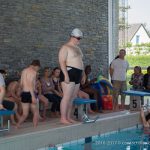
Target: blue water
[131,139]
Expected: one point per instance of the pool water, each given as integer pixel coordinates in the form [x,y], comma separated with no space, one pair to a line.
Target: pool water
[129,139]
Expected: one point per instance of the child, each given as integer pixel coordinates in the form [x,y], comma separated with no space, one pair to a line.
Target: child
[137,79]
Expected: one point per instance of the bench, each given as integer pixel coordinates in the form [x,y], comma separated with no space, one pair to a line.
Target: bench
[2,114]
[136,98]
[81,104]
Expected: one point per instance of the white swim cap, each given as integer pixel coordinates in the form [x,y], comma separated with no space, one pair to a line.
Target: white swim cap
[76,33]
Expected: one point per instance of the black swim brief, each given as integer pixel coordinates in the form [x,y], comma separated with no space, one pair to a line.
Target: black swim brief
[26,97]
[8,104]
[74,74]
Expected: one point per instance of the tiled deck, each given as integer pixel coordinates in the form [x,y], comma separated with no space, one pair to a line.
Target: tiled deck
[52,132]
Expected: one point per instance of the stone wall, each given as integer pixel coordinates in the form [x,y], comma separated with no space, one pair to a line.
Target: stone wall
[35,29]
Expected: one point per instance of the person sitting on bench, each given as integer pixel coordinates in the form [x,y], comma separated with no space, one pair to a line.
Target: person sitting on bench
[87,88]
[146,80]
[6,104]
[137,79]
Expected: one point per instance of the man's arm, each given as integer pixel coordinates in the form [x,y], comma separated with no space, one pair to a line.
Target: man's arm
[2,94]
[63,53]
[2,90]
[111,71]
[32,80]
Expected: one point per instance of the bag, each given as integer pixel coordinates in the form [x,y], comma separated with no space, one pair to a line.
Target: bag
[107,102]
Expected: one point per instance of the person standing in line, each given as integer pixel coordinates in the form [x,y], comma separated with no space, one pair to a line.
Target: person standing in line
[28,97]
[118,71]
[71,64]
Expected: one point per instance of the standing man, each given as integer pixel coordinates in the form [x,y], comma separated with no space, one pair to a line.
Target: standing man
[118,71]
[70,59]
[28,97]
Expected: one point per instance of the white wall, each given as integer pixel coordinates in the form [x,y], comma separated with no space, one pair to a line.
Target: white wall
[143,37]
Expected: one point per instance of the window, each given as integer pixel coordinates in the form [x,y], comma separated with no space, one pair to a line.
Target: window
[137,39]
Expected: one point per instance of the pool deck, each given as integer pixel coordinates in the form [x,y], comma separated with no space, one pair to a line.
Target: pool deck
[52,132]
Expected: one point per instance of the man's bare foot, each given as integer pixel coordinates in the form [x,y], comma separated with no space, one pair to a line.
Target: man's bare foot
[13,123]
[64,121]
[72,121]
[17,126]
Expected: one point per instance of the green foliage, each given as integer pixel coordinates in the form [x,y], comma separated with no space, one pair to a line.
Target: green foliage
[143,61]
[129,44]
[143,44]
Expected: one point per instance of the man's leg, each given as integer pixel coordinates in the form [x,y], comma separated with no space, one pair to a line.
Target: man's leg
[68,90]
[116,91]
[13,116]
[45,102]
[74,95]
[35,112]
[123,96]
[25,109]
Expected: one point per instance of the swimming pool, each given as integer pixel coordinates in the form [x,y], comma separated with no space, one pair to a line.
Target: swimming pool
[127,139]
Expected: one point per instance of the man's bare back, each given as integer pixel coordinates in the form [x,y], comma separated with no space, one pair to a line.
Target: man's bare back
[28,79]
[12,89]
[28,99]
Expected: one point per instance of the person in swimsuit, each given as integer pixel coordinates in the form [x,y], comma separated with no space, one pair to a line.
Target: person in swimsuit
[28,97]
[145,118]
[6,104]
[13,94]
[71,64]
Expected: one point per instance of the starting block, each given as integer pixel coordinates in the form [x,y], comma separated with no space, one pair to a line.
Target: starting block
[82,106]
[2,114]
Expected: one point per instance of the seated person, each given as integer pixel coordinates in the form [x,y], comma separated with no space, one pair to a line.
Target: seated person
[145,118]
[83,95]
[55,78]
[48,90]
[146,80]
[6,104]
[41,98]
[137,79]
[13,94]
[87,88]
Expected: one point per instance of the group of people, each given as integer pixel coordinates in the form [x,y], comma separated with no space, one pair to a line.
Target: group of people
[64,84]
[118,70]
[60,88]
[140,81]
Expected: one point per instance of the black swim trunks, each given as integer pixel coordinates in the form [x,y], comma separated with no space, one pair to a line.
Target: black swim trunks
[74,74]
[26,97]
[8,104]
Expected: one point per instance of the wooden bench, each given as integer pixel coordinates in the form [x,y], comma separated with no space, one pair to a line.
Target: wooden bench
[81,104]
[2,114]
[136,98]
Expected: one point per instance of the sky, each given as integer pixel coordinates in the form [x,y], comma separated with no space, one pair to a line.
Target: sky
[139,12]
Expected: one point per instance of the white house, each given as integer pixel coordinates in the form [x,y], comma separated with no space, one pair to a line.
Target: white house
[135,34]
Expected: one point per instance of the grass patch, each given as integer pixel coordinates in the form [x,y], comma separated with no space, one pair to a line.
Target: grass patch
[143,61]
